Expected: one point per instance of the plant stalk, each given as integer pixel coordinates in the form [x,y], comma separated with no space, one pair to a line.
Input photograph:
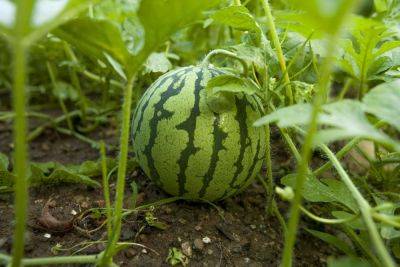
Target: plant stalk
[306,151]
[365,210]
[123,158]
[227,53]
[23,15]
[279,52]
[106,190]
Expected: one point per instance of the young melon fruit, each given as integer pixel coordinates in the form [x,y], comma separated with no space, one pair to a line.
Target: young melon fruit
[186,148]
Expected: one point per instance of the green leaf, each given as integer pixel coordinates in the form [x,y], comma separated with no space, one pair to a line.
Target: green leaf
[56,173]
[345,119]
[387,231]
[237,17]
[380,5]
[221,91]
[320,15]
[347,262]
[116,66]
[385,47]
[323,190]
[4,162]
[333,241]
[95,37]
[160,19]
[252,55]
[157,62]
[65,91]
[287,117]
[154,222]
[59,174]
[383,102]
[357,224]
[175,257]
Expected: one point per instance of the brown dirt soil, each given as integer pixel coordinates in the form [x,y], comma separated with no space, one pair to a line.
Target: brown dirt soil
[244,236]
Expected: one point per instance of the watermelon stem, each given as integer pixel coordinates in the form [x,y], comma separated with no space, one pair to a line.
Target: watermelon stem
[213,53]
[112,247]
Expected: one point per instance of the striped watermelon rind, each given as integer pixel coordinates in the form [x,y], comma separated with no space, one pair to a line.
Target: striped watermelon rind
[187,149]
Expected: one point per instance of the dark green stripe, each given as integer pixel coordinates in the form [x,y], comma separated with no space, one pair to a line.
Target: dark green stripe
[159,114]
[256,159]
[189,125]
[219,137]
[147,97]
[245,141]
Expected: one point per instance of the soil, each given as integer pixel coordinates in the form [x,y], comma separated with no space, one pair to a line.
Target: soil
[238,233]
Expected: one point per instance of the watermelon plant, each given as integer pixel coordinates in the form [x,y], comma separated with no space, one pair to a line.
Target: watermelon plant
[273,124]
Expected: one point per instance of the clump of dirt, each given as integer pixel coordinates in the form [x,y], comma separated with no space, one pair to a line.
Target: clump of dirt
[236,232]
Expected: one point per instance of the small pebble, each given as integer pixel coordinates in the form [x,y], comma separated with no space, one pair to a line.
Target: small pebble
[85,205]
[252,226]
[186,249]
[206,240]
[210,251]
[73,212]
[198,244]
[47,235]
[246,260]
[197,228]
[144,251]
[130,253]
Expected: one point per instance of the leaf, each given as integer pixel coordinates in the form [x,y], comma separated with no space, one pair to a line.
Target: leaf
[154,222]
[59,174]
[116,66]
[356,224]
[56,173]
[380,5]
[333,241]
[387,231]
[347,262]
[95,37]
[221,91]
[385,47]
[175,257]
[324,190]
[237,17]
[65,91]
[251,55]
[4,162]
[288,116]
[346,119]
[320,16]
[366,53]
[383,102]
[157,62]
[160,19]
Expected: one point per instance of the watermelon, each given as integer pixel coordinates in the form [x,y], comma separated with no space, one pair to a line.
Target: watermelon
[187,149]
